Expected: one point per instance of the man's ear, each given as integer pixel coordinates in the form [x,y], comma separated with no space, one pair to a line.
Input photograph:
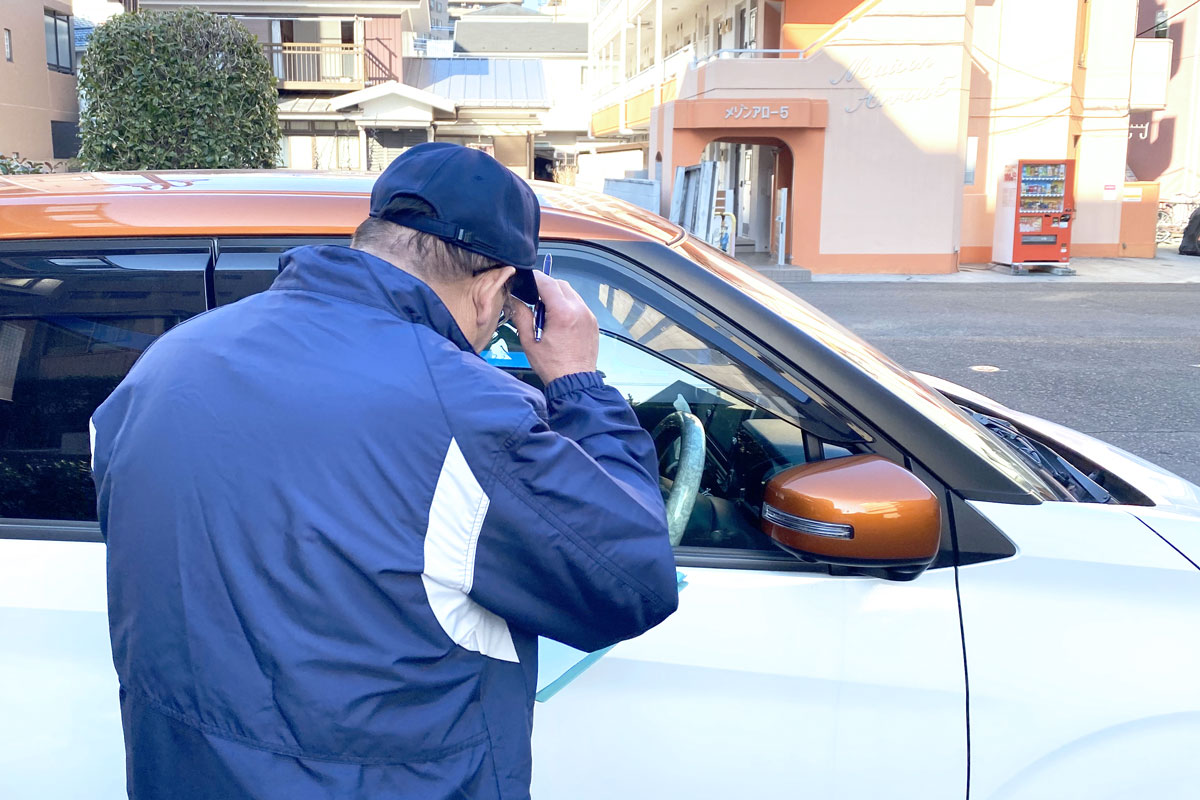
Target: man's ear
[484,288]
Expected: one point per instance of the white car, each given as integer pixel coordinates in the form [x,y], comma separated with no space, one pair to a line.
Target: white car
[896,588]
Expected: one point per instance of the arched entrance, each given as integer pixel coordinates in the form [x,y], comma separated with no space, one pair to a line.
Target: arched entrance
[681,129]
[748,183]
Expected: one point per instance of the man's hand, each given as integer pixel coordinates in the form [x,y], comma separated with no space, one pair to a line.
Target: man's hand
[570,339]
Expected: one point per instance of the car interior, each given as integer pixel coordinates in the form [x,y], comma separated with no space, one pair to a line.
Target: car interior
[663,370]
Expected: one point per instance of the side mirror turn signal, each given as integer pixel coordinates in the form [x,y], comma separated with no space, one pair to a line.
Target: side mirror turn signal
[863,512]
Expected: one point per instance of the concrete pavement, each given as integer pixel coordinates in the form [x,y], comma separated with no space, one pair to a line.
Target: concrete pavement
[1118,360]
[1166,267]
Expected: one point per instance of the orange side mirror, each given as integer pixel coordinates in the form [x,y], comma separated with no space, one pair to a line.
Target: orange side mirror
[858,511]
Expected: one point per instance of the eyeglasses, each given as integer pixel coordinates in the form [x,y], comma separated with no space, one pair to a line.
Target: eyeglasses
[506,313]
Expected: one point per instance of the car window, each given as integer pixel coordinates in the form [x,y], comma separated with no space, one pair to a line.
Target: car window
[72,323]
[923,399]
[248,266]
[752,428]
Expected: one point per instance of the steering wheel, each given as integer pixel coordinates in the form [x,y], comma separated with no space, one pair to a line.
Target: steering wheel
[679,439]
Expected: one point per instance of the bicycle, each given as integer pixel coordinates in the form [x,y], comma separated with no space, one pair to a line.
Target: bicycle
[1173,216]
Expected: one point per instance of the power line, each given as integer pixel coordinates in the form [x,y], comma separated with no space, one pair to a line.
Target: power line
[1168,19]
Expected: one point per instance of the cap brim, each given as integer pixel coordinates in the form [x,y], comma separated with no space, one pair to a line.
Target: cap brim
[525,286]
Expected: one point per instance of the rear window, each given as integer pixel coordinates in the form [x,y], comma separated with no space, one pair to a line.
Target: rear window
[72,323]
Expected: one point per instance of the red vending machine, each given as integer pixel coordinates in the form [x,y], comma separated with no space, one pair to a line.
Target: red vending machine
[1034,211]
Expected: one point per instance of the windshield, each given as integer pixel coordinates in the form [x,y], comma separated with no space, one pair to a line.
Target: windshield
[925,400]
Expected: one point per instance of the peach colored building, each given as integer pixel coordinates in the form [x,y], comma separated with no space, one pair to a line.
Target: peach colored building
[39,103]
[889,122]
[1164,145]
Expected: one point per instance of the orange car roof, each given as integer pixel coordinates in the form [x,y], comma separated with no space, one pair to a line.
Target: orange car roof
[263,203]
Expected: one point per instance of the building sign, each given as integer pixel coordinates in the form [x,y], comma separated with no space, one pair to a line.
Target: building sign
[738,111]
[758,113]
[875,68]
[929,86]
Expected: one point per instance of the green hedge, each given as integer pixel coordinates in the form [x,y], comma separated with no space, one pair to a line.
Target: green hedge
[15,165]
[176,90]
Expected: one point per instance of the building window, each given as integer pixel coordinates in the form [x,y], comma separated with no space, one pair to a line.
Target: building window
[7,45]
[972,158]
[1160,24]
[64,138]
[59,46]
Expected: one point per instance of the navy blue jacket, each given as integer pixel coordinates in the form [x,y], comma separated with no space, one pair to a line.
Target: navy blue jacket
[335,532]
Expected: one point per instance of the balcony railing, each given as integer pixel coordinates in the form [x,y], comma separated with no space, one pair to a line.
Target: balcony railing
[308,66]
[609,89]
[755,53]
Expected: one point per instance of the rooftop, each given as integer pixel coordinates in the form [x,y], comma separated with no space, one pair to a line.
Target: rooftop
[504,10]
[481,82]
[501,34]
[82,29]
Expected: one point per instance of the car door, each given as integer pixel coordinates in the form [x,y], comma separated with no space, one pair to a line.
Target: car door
[776,677]
[74,316]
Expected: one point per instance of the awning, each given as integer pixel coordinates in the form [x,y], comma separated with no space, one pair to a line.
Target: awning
[306,107]
[394,91]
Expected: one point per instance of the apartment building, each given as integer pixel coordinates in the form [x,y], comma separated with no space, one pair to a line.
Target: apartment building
[889,123]
[321,54]
[1164,144]
[363,80]
[557,39]
[39,105]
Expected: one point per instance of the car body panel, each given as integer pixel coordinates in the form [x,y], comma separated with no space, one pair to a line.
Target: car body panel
[1181,530]
[770,684]
[60,725]
[1081,661]
[278,202]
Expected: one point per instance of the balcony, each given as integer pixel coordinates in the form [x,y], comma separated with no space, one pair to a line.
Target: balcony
[306,67]
[625,106]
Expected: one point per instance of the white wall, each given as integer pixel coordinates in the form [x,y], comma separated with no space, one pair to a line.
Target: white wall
[566,83]
[642,193]
[594,168]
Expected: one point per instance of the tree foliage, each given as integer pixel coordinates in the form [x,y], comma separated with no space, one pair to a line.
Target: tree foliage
[15,165]
[179,89]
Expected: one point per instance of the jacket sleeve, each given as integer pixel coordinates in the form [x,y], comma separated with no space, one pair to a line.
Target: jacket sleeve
[574,543]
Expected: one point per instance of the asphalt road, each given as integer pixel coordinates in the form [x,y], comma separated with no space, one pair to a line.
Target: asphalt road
[1118,361]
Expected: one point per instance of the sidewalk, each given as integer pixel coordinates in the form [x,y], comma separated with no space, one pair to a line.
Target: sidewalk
[1167,267]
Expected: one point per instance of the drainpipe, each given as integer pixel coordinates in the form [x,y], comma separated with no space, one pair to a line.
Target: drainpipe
[624,41]
[658,48]
[637,45]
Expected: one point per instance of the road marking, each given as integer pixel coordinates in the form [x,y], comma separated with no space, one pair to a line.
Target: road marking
[985,368]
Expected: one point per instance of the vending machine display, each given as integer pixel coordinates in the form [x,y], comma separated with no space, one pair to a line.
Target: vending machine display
[1034,211]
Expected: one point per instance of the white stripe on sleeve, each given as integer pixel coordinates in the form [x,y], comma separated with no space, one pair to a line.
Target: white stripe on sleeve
[455,519]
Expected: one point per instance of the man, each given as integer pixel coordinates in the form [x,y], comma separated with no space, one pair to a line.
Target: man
[334,532]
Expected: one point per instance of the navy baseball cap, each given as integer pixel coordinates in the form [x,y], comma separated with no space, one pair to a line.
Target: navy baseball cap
[478,204]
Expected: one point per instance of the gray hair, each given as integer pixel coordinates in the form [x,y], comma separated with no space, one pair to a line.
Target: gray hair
[422,254]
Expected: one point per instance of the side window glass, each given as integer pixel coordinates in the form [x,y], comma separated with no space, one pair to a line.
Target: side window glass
[241,273]
[249,266]
[752,430]
[71,326]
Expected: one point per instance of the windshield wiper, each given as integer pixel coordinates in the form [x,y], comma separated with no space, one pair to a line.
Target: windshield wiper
[1047,463]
